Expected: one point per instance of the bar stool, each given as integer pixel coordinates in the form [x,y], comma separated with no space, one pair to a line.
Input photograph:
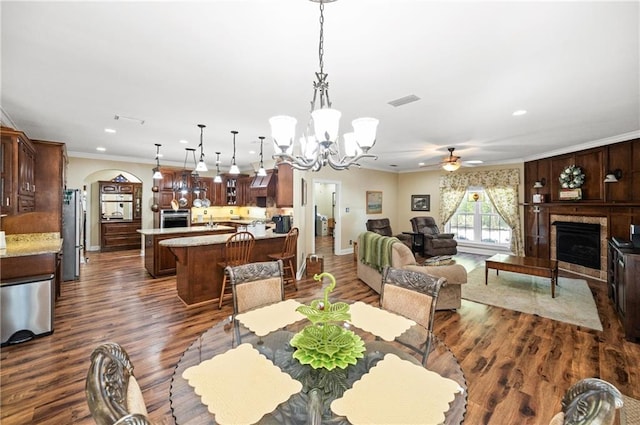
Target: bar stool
[288,254]
[237,251]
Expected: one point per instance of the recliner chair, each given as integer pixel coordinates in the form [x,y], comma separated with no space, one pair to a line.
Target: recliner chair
[382,226]
[434,243]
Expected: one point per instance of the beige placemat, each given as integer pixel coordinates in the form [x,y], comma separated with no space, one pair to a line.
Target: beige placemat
[396,391]
[240,386]
[379,322]
[264,320]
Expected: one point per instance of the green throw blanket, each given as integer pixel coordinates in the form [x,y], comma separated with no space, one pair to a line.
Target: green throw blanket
[375,250]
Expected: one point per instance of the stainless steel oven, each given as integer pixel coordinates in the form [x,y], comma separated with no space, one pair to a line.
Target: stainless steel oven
[174,218]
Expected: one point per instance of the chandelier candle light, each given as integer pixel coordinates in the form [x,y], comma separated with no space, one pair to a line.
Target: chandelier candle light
[319,147]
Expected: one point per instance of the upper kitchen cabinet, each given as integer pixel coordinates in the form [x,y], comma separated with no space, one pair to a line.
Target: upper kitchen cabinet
[18,163]
[284,187]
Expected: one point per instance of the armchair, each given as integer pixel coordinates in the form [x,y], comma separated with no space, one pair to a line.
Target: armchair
[382,226]
[434,243]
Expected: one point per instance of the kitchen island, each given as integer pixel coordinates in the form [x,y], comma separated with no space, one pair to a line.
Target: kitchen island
[158,260]
[198,276]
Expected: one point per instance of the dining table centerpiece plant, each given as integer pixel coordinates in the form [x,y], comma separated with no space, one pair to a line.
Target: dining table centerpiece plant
[325,343]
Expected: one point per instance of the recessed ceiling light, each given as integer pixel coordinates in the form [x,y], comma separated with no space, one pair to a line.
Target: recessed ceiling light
[109,130]
[519,112]
[421,163]
[474,161]
[184,142]
[252,152]
[101,149]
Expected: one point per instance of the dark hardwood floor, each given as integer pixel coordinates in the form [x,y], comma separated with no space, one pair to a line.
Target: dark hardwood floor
[517,366]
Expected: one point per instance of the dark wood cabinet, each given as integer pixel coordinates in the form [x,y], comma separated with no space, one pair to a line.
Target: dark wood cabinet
[284,186]
[618,202]
[120,215]
[624,288]
[18,172]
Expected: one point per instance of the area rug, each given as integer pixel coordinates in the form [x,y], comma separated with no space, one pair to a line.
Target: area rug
[631,410]
[530,294]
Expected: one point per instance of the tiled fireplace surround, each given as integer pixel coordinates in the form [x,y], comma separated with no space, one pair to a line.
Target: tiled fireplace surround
[575,268]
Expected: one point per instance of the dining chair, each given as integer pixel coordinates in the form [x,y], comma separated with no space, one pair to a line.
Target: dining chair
[256,284]
[590,401]
[288,255]
[113,394]
[237,251]
[413,295]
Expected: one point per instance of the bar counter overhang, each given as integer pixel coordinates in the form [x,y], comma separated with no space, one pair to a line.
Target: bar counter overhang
[198,275]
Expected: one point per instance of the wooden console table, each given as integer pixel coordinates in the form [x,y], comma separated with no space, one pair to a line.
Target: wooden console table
[525,265]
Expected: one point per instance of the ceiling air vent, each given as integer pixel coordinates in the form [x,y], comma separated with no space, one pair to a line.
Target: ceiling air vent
[404,100]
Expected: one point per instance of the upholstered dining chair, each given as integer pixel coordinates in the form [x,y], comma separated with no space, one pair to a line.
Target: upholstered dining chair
[113,394]
[288,255]
[256,284]
[414,296]
[237,251]
[589,401]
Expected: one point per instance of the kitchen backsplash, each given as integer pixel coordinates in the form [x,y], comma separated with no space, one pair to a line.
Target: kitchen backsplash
[206,214]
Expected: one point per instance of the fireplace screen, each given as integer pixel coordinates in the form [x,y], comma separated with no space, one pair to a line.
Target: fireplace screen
[578,243]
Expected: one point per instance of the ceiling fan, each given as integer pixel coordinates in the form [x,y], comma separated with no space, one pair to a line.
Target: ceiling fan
[448,163]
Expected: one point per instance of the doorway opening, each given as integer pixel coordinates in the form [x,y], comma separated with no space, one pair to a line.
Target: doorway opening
[325,233]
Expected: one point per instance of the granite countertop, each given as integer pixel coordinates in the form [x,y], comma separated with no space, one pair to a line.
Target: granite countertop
[210,240]
[23,244]
[192,229]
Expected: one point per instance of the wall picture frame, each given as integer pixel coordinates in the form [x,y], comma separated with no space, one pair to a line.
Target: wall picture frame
[374,202]
[420,202]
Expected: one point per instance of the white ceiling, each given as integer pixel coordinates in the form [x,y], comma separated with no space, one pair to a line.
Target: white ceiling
[69,67]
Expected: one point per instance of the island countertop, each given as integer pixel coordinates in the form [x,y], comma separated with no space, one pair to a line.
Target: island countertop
[192,229]
[210,240]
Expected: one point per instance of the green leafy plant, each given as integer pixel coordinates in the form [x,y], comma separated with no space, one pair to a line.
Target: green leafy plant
[324,344]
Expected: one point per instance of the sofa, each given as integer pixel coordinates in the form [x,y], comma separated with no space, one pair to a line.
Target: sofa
[401,257]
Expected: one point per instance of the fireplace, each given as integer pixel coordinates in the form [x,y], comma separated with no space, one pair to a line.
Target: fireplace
[578,243]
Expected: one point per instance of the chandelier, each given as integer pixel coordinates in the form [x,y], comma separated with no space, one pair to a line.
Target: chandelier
[319,146]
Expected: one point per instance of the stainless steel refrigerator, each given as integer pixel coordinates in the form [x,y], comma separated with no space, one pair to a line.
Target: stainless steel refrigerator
[72,234]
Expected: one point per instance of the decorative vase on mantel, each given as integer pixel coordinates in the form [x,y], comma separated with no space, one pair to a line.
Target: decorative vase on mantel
[325,343]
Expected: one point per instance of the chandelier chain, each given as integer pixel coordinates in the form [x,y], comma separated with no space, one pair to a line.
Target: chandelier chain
[321,42]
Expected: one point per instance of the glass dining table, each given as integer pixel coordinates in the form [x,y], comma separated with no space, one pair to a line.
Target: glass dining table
[308,405]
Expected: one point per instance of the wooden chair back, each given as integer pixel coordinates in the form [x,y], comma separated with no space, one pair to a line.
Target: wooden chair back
[256,284]
[413,295]
[238,248]
[290,243]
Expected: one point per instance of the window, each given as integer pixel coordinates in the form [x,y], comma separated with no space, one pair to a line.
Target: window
[477,221]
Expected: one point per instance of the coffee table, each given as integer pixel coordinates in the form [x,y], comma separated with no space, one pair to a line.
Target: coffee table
[525,265]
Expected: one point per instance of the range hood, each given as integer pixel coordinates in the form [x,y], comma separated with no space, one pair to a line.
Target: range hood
[263,187]
[262,182]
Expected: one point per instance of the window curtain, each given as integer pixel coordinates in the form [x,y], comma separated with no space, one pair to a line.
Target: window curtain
[501,186]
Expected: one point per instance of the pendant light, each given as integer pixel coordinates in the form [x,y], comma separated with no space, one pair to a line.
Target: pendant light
[234,168]
[157,175]
[217,178]
[201,165]
[261,171]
